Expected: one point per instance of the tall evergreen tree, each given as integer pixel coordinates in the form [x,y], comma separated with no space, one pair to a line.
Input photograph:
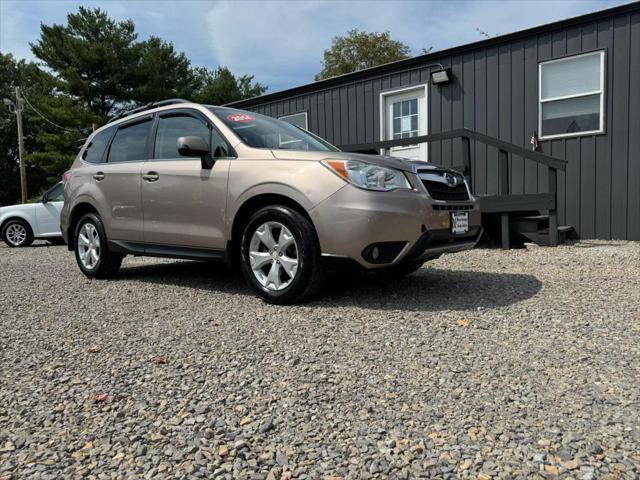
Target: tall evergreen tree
[220,86]
[93,57]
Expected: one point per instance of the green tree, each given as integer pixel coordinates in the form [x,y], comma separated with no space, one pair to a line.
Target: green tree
[358,50]
[93,57]
[220,86]
[162,73]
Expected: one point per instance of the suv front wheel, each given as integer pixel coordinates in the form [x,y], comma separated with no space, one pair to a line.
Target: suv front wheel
[281,255]
[92,253]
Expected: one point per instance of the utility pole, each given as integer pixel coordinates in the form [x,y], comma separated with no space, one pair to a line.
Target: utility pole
[17,107]
[23,174]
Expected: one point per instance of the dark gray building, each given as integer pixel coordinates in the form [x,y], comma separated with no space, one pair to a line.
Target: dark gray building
[575,82]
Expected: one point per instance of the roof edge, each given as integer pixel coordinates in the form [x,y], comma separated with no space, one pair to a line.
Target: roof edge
[631,7]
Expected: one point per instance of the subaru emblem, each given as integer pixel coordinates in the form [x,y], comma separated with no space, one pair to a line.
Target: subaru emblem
[450,179]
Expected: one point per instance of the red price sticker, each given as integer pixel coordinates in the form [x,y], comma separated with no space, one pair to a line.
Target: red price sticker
[240,118]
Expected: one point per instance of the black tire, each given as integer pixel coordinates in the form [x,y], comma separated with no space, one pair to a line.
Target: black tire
[401,270]
[308,278]
[27,235]
[108,262]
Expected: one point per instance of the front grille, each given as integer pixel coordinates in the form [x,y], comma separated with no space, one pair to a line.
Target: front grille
[442,191]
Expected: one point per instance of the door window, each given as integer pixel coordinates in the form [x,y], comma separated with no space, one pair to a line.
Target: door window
[130,143]
[405,119]
[172,128]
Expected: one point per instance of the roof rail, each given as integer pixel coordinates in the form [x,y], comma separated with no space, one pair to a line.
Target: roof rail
[149,106]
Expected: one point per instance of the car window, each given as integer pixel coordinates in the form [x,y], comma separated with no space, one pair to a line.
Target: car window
[56,194]
[174,127]
[130,143]
[95,150]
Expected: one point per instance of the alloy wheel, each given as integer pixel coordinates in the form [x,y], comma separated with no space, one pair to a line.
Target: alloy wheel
[89,246]
[16,234]
[273,255]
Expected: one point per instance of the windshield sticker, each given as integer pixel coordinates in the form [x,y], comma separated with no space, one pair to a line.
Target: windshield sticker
[240,118]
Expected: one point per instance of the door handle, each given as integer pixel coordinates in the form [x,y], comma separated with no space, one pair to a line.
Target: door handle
[98,176]
[151,176]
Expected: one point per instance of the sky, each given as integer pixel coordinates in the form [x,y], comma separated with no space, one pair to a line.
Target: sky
[281,42]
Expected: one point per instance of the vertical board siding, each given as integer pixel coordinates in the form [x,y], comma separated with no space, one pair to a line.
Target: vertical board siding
[587,159]
[493,97]
[480,150]
[494,90]
[517,121]
[633,156]
[572,188]
[619,92]
[530,109]
[603,142]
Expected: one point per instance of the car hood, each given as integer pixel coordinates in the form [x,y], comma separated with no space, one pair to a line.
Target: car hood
[382,160]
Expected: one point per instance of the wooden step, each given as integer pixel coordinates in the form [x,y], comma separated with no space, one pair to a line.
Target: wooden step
[541,237]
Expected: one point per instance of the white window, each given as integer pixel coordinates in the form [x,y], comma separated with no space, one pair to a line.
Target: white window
[405,118]
[297,119]
[571,96]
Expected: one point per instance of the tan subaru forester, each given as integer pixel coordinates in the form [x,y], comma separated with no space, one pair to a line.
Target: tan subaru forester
[183,180]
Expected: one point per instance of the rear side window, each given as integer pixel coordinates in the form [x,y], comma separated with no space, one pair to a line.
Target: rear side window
[130,143]
[95,150]
[171,128]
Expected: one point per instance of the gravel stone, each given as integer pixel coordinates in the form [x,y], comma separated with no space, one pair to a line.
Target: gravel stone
[487,364]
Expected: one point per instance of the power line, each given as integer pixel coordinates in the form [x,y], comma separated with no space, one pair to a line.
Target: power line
[46,119]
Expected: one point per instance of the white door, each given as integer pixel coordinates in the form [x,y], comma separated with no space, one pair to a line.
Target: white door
[48,214]
[405,115]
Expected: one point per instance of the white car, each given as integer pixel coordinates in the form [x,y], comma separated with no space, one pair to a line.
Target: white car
[21,224]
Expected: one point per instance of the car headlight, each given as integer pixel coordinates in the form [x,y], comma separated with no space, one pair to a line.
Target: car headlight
[368,176]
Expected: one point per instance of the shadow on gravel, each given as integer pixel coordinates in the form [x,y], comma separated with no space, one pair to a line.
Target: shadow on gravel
[429,289]
[432,289]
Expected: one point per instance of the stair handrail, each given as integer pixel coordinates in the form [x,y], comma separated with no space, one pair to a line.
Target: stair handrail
[536,156]
[504,148]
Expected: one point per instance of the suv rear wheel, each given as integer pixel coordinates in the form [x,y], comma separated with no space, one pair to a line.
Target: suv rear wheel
[92,253]
[281,255]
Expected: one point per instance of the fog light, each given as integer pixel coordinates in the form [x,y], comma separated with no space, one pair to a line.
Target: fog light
[382,252]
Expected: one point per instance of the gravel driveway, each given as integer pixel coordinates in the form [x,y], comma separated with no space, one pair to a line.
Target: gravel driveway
[485,364]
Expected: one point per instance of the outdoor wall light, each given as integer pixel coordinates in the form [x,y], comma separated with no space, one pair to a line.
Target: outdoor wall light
[440,77]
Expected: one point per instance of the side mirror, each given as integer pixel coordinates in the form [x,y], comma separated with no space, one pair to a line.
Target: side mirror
[44,198]
[196,147]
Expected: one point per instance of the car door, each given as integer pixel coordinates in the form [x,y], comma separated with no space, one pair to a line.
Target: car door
[48,211]
[184,204]
[117,181]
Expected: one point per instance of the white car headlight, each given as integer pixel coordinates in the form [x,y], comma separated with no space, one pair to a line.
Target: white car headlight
[368,176]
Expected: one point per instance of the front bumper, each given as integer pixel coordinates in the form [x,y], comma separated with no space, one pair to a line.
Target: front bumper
[352,219]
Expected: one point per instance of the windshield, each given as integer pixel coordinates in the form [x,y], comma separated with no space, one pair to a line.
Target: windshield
[260,131]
